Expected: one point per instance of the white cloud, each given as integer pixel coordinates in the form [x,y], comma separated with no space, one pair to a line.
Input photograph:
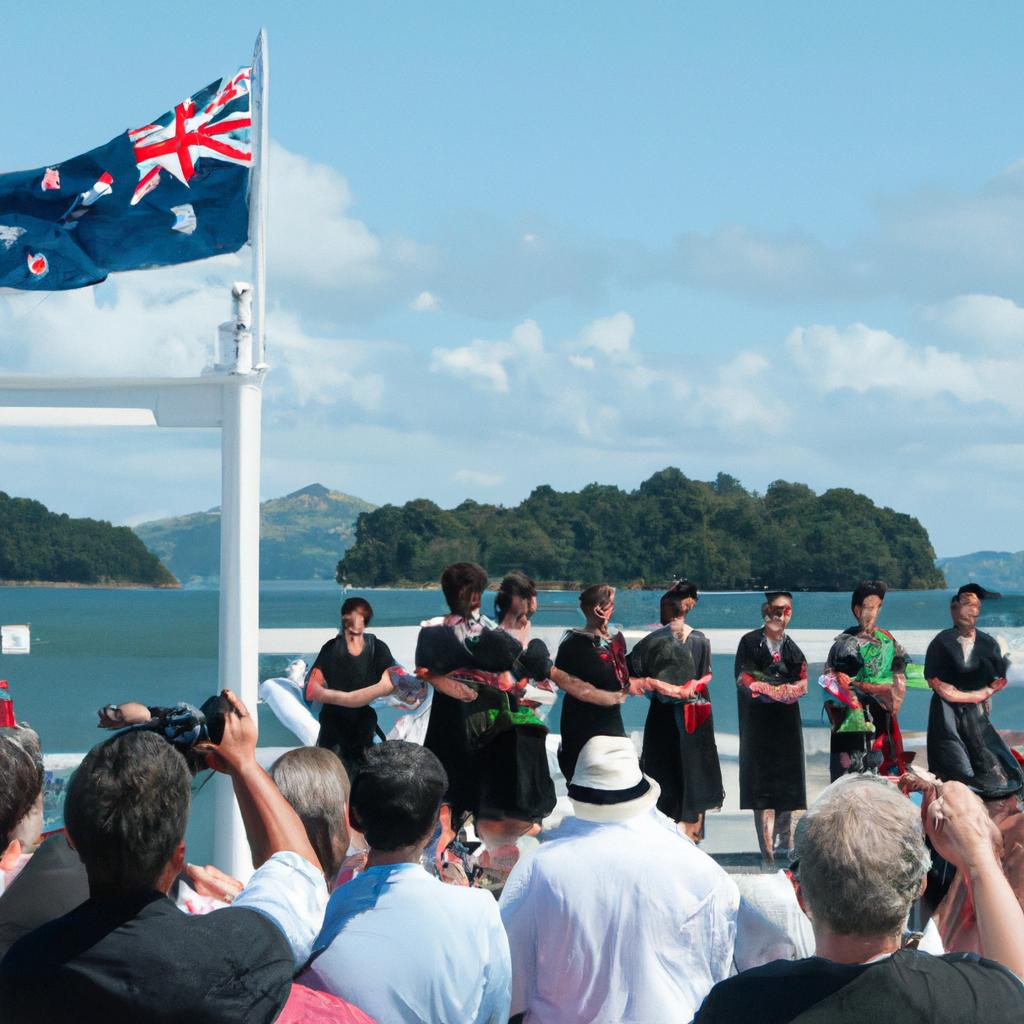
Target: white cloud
[986,319]
[471,476]
[425,302]
[609,335]
[582,362]
[863,359]
[144,322]
[332,372]
[480,362]
[483,363]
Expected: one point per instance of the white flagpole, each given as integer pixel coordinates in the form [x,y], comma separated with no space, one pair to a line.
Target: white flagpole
[240,483]
[258,189]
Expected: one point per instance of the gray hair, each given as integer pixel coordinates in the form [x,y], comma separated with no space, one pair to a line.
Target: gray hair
[314,781]
[861,857]
[21,772]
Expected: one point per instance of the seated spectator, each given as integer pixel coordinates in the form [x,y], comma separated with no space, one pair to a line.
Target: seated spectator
[617,917]
[397,942]
[21,799]
[861,861]
[314,781]
[35,887]
[127,953]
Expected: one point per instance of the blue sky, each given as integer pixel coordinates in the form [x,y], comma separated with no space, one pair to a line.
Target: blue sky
[537,243]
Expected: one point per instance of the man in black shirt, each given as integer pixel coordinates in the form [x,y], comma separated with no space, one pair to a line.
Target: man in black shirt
[128,953]
[350,672]
[860,863]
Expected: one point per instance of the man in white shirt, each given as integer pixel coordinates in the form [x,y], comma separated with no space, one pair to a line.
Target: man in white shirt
[397,942]
[617,917]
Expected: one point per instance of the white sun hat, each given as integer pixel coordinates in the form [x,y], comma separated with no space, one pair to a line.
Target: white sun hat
[607,784]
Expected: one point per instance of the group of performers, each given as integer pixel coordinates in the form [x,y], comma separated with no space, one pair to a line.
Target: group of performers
[490,681]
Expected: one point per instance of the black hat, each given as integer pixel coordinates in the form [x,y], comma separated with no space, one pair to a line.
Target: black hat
[868,588]
[770,595]
[978,590]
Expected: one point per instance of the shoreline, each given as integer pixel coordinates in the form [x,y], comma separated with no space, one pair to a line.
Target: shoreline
[72,585]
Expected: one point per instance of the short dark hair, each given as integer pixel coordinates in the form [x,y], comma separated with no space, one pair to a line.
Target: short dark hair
[314,781]
[358,604]
[866,589]
[515,584]
[458,581]
[595,594]
[21,769]
[397,794]
[680,598]
[126,810]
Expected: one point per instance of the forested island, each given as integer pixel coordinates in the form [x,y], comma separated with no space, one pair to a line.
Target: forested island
[40,546]
[717,533]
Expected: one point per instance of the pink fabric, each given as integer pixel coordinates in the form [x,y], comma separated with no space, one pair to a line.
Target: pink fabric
[308,1006]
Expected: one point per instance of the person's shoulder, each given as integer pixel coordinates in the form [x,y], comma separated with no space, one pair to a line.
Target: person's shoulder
[329,646]
[986,973]
[942,638]
[732,999]
[755,636]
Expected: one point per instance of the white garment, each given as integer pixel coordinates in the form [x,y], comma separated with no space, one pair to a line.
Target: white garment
[403,946]
[617,921]
[293,894]
[285,698]
[771,925]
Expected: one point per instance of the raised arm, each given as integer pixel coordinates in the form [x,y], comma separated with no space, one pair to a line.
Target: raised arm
[960,829]
[271,825]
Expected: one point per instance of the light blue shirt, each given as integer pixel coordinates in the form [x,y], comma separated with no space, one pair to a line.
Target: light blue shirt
[403,946]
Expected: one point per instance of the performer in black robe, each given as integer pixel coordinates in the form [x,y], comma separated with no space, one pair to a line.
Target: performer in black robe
[771,676]
[679,749]
[965,667]
[596,655]
[350,672]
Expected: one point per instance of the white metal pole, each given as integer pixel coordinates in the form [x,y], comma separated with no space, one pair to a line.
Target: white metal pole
[240,489]
[258,189]
[239,588]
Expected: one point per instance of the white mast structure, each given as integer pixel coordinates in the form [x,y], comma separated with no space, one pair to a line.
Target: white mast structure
[227,396]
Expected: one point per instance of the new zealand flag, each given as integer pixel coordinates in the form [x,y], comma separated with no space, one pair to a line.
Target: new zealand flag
[168,192]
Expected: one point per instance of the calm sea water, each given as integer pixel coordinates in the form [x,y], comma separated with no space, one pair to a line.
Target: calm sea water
[93,647]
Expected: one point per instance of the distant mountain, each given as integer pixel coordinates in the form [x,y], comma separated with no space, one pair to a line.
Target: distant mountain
[1000,570]
[302,536]
[41,546]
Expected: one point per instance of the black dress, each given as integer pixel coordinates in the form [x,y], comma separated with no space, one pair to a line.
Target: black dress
[349,732]
[963,745]
[602,663]
[679,750]
[771,736]
[495,770]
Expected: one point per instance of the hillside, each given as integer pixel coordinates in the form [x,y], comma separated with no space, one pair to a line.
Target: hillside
[717,533]
[1000,570]
[42,546]
[302,536]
